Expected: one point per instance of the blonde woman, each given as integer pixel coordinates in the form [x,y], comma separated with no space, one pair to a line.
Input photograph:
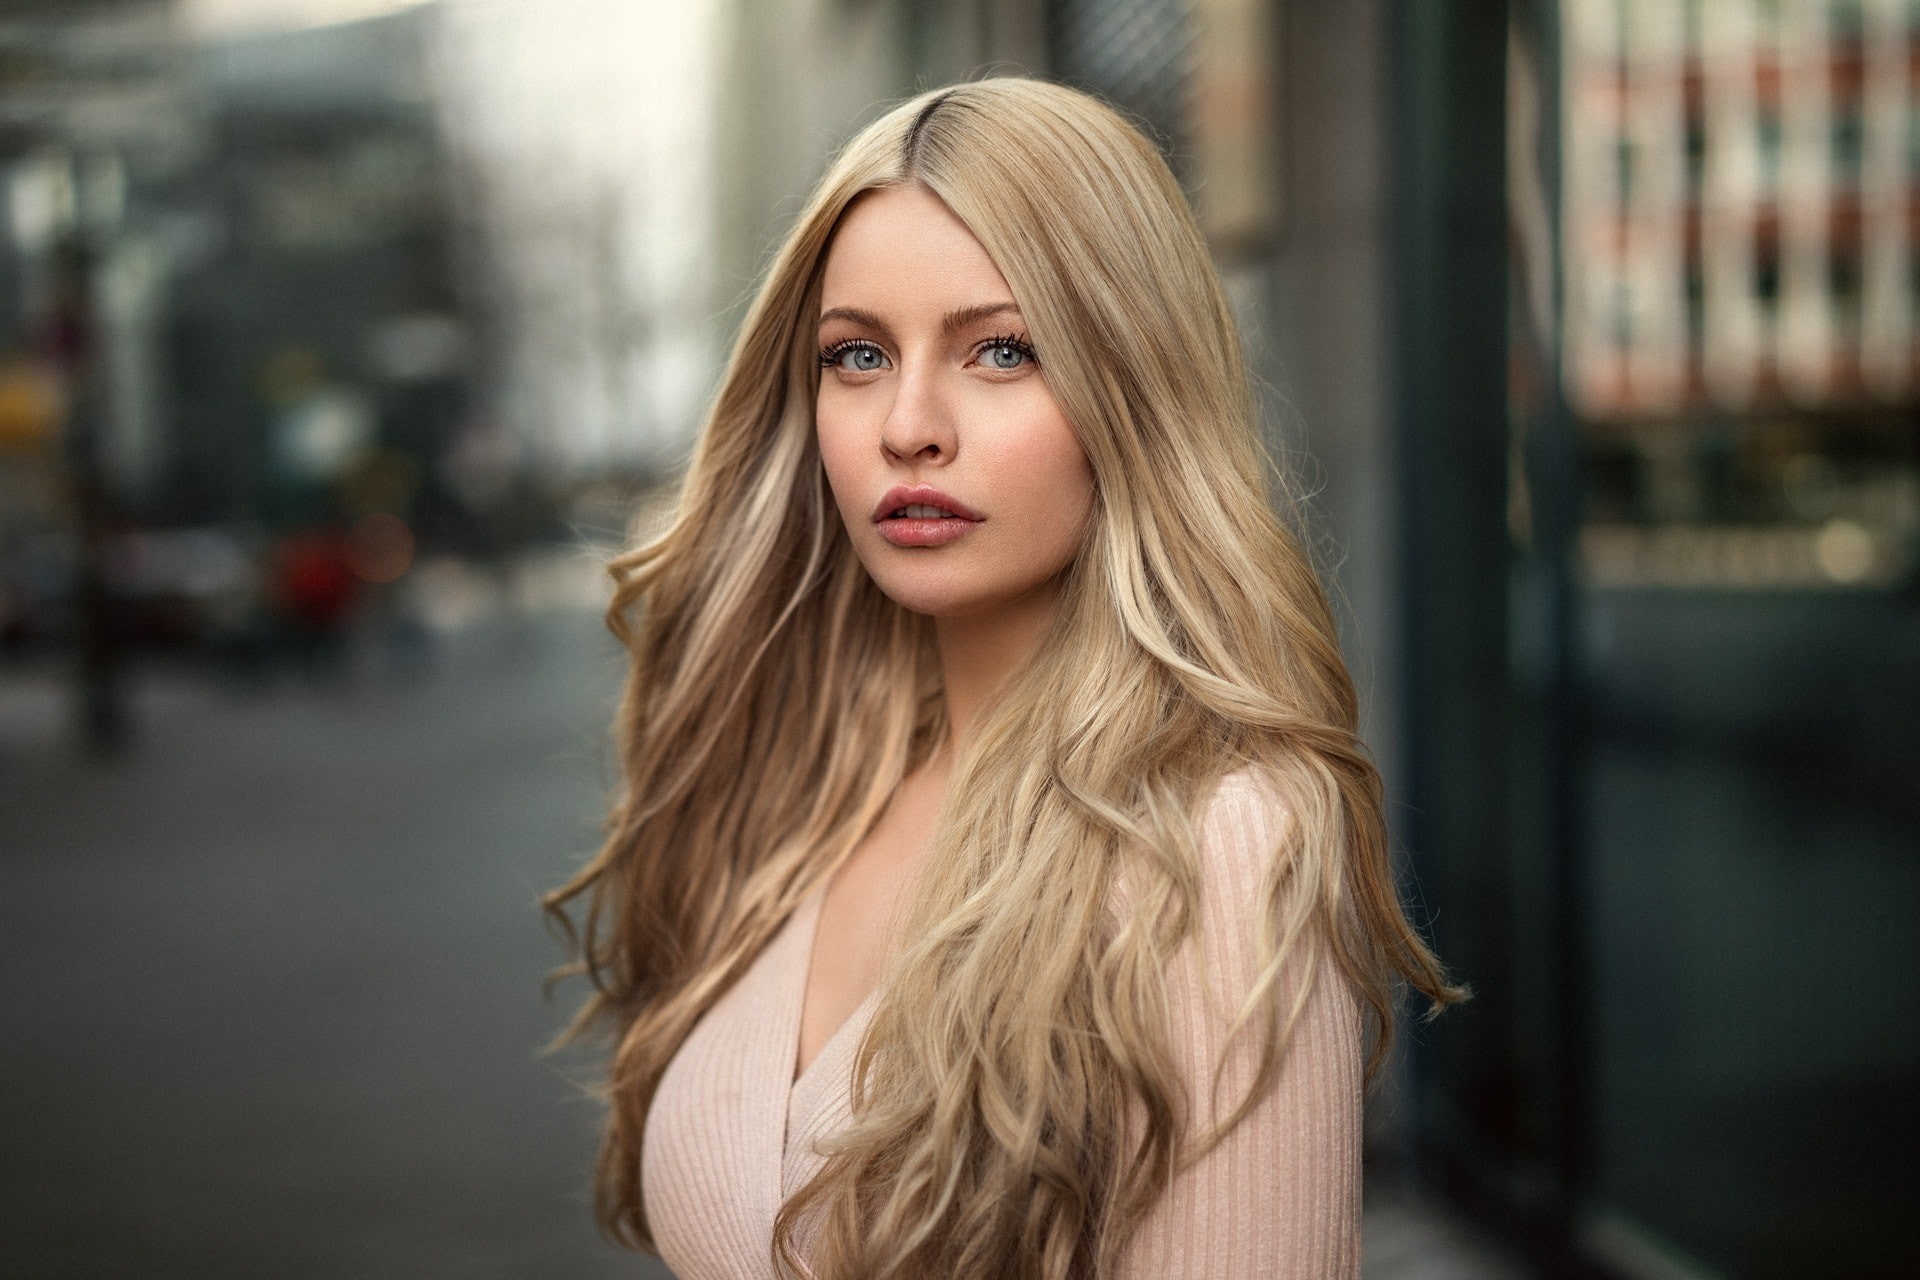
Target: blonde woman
[998,887]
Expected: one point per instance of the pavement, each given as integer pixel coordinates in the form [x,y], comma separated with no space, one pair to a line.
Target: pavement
[274,999]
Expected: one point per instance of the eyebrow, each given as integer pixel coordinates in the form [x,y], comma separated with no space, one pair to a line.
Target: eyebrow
[952,322]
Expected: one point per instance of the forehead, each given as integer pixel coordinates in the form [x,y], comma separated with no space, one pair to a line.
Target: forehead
[903,249]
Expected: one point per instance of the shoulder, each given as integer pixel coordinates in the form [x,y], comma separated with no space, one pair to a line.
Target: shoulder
[1254,926]
[1251,793]
[1242,830]
[1240,834]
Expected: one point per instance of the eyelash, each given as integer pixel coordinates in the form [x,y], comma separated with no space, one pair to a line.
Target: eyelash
[1013,340]
[830,355]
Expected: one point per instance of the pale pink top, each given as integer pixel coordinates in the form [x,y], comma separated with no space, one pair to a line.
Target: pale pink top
[730,1134]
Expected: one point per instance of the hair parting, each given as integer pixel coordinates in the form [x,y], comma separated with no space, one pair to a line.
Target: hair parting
[910,146]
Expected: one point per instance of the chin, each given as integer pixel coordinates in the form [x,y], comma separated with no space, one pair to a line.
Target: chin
[938,595]
[930,599]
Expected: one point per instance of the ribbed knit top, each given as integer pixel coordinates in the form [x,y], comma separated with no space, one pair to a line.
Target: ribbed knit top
[731,1132]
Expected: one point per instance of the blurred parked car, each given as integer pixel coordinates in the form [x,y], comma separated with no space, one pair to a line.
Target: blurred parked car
[169,589]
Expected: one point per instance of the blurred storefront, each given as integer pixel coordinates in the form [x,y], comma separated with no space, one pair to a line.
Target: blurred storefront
[1662,633]
[1739,214]
[244,331]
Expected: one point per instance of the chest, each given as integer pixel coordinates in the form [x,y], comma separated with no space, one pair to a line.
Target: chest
[731,1134]
[858,932]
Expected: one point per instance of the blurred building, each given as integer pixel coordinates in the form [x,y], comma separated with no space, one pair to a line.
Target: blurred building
[1739,206]
[230,211]
[1738,219]
[96,115]
[1739,202]
[318,347]
[230,320]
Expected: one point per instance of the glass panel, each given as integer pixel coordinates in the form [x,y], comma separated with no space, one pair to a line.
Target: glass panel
[1749,557]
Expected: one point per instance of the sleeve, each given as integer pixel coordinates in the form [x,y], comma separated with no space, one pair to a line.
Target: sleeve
[1280,1195]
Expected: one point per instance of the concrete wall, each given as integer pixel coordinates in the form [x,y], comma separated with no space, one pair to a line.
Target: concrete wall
[1318,324]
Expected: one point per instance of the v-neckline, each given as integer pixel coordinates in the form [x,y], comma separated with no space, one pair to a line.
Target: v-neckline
[810,928]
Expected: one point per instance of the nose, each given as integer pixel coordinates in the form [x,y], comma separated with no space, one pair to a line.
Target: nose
[919,425]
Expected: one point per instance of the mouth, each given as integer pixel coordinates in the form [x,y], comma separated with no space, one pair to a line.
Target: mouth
[922,511]
[922,502]
[922,516]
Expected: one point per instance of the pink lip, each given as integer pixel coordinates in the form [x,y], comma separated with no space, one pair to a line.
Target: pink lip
[920,531]
[926,495]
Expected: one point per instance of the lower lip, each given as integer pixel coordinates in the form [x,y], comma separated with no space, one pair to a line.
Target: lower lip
[916,532]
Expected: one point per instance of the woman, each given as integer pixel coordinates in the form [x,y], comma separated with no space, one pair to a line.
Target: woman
[998,881]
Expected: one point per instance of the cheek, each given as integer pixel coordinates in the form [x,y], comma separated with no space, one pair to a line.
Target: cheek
[835,443]
[1057,483]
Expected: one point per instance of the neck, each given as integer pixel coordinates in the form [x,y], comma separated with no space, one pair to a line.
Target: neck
[979,651]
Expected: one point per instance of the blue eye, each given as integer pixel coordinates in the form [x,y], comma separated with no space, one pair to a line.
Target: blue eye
[854,356]
[1005,354]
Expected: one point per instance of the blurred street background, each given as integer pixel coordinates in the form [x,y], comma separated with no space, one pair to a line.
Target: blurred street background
[342,340]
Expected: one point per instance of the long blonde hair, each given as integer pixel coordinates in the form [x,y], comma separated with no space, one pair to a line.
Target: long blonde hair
[777,698]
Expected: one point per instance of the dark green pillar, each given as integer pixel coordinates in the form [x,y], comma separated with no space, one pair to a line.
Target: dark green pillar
[1449,303]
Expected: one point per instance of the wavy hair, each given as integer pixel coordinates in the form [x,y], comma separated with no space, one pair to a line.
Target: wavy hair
[1016,1112]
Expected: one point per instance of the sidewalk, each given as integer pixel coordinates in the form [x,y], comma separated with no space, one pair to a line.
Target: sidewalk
[1409,1238]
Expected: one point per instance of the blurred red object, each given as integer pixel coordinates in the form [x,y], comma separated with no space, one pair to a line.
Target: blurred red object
[314,578]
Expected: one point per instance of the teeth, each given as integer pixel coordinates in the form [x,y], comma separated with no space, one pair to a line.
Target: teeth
[920,511]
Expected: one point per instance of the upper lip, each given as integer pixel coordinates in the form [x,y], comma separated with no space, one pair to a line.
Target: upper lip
[922,495]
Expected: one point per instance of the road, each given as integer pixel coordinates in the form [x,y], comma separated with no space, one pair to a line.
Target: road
[274,979]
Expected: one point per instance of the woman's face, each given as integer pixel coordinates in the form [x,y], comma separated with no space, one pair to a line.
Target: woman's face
[961,484]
